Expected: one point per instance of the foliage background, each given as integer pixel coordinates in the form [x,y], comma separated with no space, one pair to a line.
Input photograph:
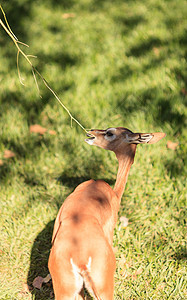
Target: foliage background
[113,63]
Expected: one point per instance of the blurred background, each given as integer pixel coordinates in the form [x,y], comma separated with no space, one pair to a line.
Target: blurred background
[112,63]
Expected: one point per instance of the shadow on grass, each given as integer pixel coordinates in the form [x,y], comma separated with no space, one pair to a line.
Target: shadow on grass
[64,3]
[34,145]
[158,104]
[62,59]
[73,182]
[16,11]
[181,255]
[145,46]
[176,166]
[39,261]
[130,22]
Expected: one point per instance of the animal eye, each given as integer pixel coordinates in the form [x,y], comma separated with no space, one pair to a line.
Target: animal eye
[109,133]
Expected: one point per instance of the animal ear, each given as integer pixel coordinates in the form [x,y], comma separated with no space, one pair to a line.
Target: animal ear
[156,137]
[145,138]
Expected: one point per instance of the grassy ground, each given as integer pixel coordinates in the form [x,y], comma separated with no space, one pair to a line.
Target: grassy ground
[113,63]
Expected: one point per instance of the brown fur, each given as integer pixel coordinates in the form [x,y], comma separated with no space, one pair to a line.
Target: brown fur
[83,230]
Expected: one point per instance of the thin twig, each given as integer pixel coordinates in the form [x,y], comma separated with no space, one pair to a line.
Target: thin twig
[19,74]
[34,70]
[36,82]
[7,23]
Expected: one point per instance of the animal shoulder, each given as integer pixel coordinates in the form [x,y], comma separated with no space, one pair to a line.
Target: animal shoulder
[95,187]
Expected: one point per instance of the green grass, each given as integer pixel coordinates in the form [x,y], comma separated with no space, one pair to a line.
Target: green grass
[115,63]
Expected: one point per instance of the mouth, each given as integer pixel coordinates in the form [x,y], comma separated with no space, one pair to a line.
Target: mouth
[90,139]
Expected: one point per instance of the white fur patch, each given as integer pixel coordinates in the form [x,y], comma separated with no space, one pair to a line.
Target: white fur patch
[78,277]
[110,138]
[88,266]
[76,271]
[111,129]
[89,141]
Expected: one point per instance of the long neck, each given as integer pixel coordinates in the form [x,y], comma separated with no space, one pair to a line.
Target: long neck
[125,159]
